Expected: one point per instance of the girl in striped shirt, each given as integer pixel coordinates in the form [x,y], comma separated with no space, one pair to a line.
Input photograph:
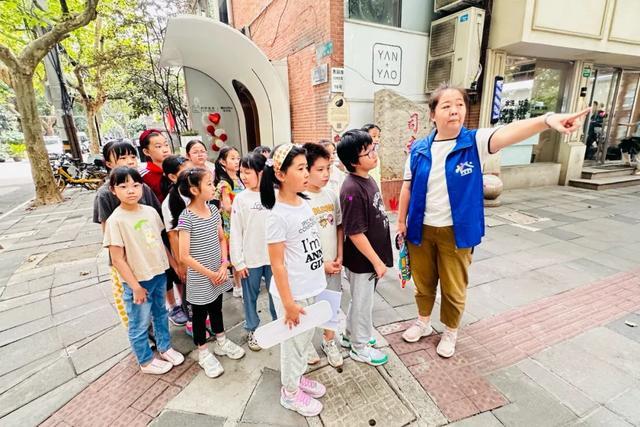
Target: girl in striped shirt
[203,249]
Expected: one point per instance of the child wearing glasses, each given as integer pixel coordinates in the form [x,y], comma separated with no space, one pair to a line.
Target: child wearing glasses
[367,248]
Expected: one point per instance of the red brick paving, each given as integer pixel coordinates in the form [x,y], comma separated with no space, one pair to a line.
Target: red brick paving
[124,396]
[457,385]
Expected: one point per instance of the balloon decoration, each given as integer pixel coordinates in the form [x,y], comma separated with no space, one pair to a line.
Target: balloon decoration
[218,135]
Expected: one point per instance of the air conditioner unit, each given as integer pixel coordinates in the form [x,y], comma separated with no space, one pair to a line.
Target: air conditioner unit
[454,49]
[449,5]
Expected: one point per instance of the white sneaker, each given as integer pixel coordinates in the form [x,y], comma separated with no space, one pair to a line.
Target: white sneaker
[252,343]
[417,331]
[156,367]
[312,387]
[300,402]
[173,357]
[333,353]
[447,345]
[312,355]
[229,349]
[369,355]
[237,291]
[212,367]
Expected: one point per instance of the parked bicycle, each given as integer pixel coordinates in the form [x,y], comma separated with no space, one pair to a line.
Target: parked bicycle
[74,172]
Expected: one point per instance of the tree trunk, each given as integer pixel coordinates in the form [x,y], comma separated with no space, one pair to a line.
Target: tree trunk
[46,190]
[94,141]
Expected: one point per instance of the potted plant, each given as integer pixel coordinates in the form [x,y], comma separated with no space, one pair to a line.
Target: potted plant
[17,151]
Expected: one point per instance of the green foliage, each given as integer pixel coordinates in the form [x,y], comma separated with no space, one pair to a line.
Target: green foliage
[18,150]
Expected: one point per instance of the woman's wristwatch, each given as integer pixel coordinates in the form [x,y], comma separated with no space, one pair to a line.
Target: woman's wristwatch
[546,116]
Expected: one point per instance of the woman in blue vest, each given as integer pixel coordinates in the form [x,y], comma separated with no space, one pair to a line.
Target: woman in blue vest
[441,209]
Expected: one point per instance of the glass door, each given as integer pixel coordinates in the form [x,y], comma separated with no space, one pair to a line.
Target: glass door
[602,86]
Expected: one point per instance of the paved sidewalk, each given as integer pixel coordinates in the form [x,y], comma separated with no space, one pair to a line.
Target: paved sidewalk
[546,342]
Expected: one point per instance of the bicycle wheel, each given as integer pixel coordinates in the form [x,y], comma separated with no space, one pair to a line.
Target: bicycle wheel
[60,182]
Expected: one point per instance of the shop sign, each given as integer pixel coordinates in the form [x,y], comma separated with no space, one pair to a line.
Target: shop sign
[337,79]
[586,72]
[324,49]
[338,113]
[319,75]
[387,64]
[498,83]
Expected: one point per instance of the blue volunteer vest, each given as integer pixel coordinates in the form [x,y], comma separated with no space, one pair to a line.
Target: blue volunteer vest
[464,184]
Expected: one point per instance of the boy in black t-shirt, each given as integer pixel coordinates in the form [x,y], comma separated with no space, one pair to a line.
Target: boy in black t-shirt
[367,247]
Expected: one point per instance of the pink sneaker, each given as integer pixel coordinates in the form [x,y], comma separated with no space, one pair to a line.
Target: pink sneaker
[312,388]
[300,402]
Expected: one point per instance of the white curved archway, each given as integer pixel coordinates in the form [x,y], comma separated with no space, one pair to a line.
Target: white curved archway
[224,54]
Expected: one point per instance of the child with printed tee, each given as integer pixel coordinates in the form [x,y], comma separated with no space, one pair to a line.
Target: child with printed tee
[326,208]
[248,245]
[133,235]
[367,248]
[118,154]
[203,249]
[228,186]
[296,260]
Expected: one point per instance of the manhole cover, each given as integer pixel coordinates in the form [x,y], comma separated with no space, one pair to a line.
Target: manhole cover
[70,254]
[359,396]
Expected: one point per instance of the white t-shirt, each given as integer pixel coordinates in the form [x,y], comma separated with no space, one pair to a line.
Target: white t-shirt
[248,247]
[166,214]
[326,208]
[438,209]
[296,226]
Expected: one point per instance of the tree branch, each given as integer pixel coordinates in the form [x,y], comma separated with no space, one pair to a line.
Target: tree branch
[36,50]
[9,59]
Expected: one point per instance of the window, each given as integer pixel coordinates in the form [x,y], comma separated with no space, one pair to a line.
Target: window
[385,12]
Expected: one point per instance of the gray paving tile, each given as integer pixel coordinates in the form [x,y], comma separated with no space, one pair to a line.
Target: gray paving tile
[29,349]
[560,234]
[626,405]
[385,316]
[603,417]
[530,403]
[567,394]
[35,386]
[611,347]
[261,408]
[100,349]
[99,320]
[597,379]
[77,298]
[19,332]
[186,419]
[621,328]
[394,294]
[485,419]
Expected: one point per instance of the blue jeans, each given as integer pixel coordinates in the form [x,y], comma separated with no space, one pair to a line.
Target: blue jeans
[250,292]
[141,315]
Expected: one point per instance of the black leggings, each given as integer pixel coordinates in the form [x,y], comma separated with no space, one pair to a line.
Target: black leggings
[200,312]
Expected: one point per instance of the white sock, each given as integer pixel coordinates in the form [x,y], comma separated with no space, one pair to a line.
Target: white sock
[203,352]
[221,339]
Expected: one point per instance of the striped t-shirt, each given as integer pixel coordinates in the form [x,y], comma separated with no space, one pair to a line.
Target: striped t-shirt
[204,247]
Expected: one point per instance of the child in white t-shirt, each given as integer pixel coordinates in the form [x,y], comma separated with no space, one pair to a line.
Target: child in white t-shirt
[298,269]
[248,247]
[326,208]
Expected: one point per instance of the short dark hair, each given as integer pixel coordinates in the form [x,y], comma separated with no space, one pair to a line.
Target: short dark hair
[315,152]
[254,161]
[117,149]
[370,126]
[121,174]
[351,145]
[193,142]
[434,98]
[269,181]
[261,149]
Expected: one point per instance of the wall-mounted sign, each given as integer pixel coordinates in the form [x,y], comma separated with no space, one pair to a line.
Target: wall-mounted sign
[337,79]
[324,49]
[387,64]
[498,82]
[319,75]
[338,113]
[586,72]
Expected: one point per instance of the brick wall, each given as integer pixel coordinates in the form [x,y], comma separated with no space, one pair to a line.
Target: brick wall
[293,30]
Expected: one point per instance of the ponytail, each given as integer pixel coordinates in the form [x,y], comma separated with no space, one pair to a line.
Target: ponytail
[176,205]
[267,187]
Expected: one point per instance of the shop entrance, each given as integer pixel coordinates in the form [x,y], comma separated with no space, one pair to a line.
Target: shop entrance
[250,111]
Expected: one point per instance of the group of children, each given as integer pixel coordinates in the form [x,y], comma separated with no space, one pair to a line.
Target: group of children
[290,217]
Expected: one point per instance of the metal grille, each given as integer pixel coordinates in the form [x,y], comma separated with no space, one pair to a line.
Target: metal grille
[439,71]
[442,3]
[443,37]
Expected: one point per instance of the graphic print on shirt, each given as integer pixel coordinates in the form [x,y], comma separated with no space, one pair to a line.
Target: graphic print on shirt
[324,215]
[313,250]
[143,227]
[378,204]
[464,168]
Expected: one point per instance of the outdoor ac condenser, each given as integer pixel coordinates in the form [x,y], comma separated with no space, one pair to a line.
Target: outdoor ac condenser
[449,5]
[454,49]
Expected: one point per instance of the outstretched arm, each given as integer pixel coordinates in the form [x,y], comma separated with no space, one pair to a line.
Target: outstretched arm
[522,129]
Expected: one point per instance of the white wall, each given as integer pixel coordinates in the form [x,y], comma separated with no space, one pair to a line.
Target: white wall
[359,86]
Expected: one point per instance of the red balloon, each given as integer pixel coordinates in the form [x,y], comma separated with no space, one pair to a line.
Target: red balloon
[223,137]
[214,118]
[215,147]
[211,129]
